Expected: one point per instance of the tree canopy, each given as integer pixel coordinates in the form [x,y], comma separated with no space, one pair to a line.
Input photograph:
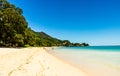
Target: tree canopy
[12,25]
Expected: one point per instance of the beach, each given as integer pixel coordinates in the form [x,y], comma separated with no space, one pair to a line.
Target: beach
[95,60]
[34,62]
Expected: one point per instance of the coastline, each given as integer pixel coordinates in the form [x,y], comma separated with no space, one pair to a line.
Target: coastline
[92,62]
[34,62]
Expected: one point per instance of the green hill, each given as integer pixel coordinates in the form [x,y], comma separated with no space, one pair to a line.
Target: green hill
[14,30]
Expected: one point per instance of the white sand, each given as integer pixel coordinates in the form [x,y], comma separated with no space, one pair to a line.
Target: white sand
[34,62]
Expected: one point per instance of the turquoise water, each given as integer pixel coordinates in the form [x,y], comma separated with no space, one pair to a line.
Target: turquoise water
[98,48]
[96,60]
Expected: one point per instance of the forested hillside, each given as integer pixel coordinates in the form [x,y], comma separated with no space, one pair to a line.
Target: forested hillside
[14,30]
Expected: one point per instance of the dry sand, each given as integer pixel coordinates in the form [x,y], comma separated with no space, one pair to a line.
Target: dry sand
[34,62]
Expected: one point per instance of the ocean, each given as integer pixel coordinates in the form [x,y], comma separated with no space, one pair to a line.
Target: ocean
[95,60]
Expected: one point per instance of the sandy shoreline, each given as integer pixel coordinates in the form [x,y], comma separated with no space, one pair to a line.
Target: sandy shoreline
[34,62]
[92,62]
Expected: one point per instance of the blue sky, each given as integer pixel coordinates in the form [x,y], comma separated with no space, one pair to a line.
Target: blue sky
[96,22]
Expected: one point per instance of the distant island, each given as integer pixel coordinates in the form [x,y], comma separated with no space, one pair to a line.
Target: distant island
[14,30]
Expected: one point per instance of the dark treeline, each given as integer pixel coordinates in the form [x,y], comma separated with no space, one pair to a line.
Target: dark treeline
[14,30]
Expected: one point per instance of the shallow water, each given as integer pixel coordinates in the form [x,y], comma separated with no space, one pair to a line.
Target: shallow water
[96,60]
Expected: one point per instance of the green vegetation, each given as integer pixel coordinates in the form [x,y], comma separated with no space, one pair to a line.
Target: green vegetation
[14,31]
